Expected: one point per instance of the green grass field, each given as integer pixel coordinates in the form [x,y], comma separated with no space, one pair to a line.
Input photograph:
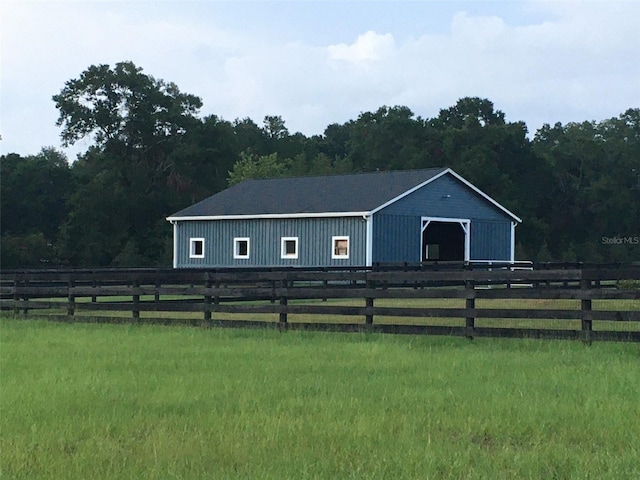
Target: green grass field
[82,401]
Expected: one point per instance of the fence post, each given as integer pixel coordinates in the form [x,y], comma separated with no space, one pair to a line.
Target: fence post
[283,304]
[585,311]
[71,299]
[207,299]
[369,310]
[25,299]
[216,298]
[470,305]
[16,297]
[156,295]
[369,303]
[136,300]
[273,291]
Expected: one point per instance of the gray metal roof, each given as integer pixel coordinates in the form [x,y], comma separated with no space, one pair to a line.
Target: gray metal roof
[360,192]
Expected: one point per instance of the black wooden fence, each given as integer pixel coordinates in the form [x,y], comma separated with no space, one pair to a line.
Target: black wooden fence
[487,300]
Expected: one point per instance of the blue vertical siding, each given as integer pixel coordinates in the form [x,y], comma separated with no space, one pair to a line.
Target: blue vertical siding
[314,241]
[490,240]
[396,239]
[396,232]
[446,197]
[397,228]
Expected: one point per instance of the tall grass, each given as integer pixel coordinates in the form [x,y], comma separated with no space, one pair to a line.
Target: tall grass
[104,401]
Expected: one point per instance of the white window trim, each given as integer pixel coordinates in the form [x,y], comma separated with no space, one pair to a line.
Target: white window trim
[283,251]
[335,256]
[192,242]
[236,242]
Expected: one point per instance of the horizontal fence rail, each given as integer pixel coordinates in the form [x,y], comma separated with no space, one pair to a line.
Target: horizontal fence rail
[496,300]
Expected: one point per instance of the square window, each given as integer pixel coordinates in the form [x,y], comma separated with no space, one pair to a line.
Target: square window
[196,248]
[340,248]
[240,248]
[289,247]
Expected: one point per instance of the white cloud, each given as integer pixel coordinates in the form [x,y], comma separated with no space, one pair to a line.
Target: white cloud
[369,46]
[558,61]
[479,32]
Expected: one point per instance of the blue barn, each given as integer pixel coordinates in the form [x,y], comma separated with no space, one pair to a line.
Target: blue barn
[344,220]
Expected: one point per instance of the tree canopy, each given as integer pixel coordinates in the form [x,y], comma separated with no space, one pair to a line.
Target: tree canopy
[151,155]
[123,105]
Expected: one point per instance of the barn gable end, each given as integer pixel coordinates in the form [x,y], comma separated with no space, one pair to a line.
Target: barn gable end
[397,227]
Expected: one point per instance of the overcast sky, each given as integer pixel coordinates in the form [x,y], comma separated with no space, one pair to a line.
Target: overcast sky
[321,62]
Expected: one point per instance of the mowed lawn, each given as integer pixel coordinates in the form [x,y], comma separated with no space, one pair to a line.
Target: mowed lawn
[81,401]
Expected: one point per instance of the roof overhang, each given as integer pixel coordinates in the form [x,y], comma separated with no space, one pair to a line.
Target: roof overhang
[446,171]
[458,177]
[268,216]
[482,194]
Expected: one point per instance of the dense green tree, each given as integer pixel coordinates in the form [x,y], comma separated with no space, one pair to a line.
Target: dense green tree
[334,143]
[388,139]
[574,185]
[497,156]
[123,105]
[471,112]
[280,141]
[202,161]
[33,202]
[254,166]
[275,128]
[595,185]
[27,251]
[320,164]
[129,180]
[33,192]
[250,137]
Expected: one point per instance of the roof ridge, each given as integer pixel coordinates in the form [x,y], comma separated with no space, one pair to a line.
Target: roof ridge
[344,174]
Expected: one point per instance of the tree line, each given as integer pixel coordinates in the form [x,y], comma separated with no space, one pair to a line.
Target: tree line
[576,186]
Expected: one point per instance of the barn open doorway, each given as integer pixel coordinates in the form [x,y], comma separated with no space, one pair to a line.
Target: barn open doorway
[445,239]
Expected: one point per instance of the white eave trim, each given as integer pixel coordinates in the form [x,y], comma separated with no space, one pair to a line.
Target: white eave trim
[454,174]
[268,215]
[484,195]
[408,192]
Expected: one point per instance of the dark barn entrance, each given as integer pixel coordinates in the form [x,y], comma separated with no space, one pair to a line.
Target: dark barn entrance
[444,240]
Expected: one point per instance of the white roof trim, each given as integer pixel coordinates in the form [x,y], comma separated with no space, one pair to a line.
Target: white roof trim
[268,215]
[484,195]
[408,192]
[435,177]
[349,214]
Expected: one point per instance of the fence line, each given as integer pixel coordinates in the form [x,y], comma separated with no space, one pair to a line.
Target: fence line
[501,301]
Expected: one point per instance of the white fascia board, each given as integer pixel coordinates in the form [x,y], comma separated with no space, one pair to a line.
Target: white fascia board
[484,195]
[175,244]
[268,215]
[513,241]
[447,219]
[369,241]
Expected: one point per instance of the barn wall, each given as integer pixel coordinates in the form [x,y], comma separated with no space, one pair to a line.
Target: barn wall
[396,239]
[397,227]
[490,240]
[314,244]
[446,197]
